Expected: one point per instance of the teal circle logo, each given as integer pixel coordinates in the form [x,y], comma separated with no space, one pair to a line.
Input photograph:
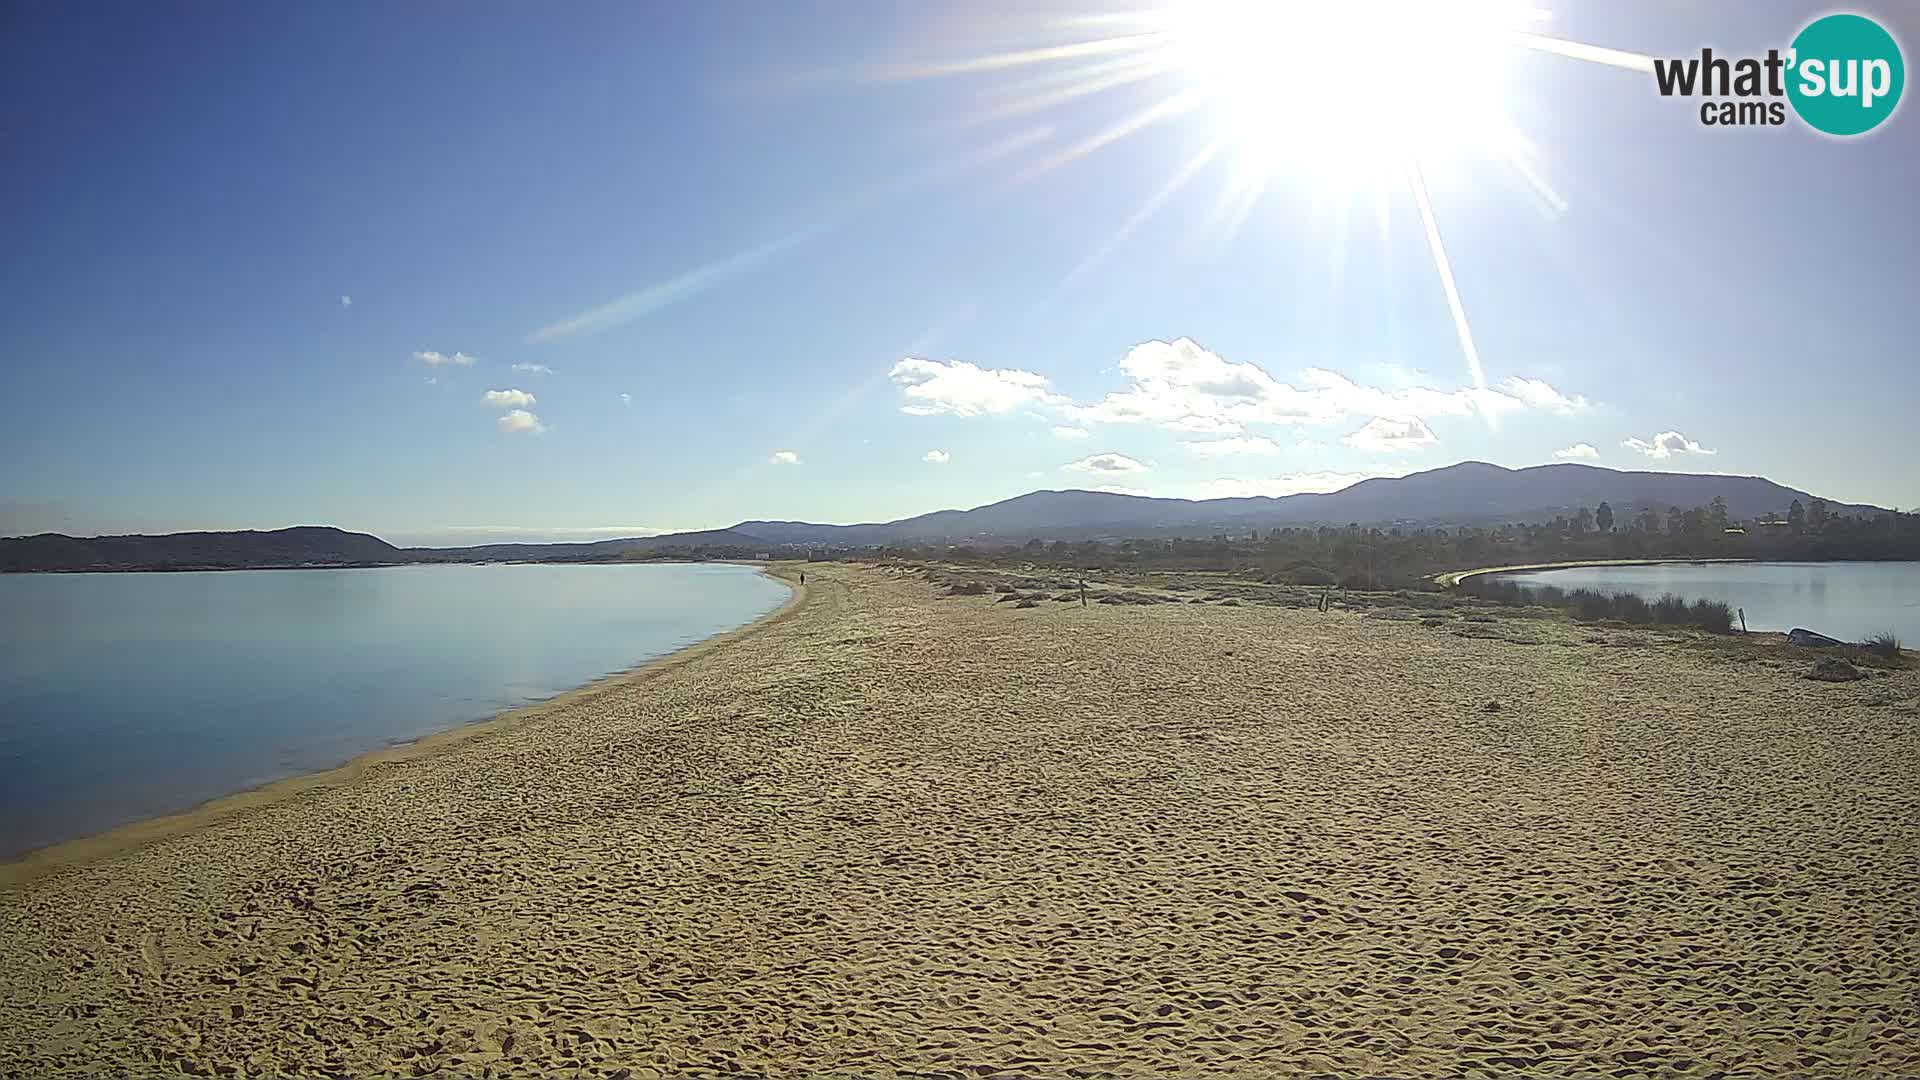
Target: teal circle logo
[1845,74]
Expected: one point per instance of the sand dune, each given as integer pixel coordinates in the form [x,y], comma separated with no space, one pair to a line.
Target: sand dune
[895,835]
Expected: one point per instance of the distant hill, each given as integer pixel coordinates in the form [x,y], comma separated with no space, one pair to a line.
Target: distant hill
[1471,492]
[596,551]
[303,546]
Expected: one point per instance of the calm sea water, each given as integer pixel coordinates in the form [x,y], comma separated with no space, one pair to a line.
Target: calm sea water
[123,696]
[1847,600]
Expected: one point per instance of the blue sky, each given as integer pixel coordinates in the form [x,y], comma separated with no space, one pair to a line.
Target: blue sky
[758,260]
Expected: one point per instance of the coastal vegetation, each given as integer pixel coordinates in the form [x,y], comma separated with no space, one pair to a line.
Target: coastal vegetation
[1595,605]
[1408,557]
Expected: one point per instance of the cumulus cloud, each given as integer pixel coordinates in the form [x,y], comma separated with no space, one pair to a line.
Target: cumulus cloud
[784,457]
[936,457]
[1063,432]
[533,369]
[1121,489]
[1239,444]
[1577,452]
[509,398]
[1665,445]
[933,388]
[436,359]
[1290,483]
[1181,386]
[1537,394]
[521,420]
[1391,434]
[1104,464]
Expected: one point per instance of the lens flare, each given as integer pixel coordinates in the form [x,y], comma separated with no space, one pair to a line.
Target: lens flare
[1356,97]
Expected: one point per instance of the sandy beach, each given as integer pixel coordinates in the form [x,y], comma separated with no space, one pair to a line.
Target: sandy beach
[890,833]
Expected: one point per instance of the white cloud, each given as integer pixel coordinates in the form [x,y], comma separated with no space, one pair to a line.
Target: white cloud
[1389,434]
[1182,387]
[521,420]
[1578,451]
[1290,484]
[1666,444]
[936,457]
[933,388]
[1061,432]
[533,369]
[1121,489]
[434,359]
[784,457]
[1536,393]
[1239,444]
[345,300]
[1106,463]
[509,398]
[626,399]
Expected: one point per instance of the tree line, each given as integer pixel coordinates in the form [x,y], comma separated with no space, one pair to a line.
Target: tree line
[1359,556]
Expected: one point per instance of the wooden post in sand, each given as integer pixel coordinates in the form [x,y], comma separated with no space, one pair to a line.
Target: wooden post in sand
[1743,620]
[1083,592]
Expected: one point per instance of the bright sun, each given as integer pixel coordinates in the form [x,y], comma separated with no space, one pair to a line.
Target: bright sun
[1351,95]
[1354,89]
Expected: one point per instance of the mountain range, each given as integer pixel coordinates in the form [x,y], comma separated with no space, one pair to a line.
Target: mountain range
[1468,493]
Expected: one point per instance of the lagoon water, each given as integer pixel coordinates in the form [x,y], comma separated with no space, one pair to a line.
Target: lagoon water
[1847,600]
[123,696]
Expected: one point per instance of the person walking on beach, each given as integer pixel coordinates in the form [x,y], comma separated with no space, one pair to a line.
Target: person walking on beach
[803,577]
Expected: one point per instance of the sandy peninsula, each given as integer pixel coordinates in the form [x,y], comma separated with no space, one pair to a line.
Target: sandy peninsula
[894,832]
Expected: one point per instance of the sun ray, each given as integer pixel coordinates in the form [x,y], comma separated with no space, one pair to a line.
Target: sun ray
[643,302]
[1342,205]
[1019,58]
[1139,217]
[1444,267]
[1132,71]
[1580,50]
[1432,94]
[1185,101]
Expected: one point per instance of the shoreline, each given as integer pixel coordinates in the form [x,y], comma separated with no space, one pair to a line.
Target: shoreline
[167,569]
[1452,578]
[82,851]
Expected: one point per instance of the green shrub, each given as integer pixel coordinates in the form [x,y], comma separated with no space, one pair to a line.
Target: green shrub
[1633,608]
[1711,616]
[1670,609]
[1590,604]
[1594,605]
[1313,575]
